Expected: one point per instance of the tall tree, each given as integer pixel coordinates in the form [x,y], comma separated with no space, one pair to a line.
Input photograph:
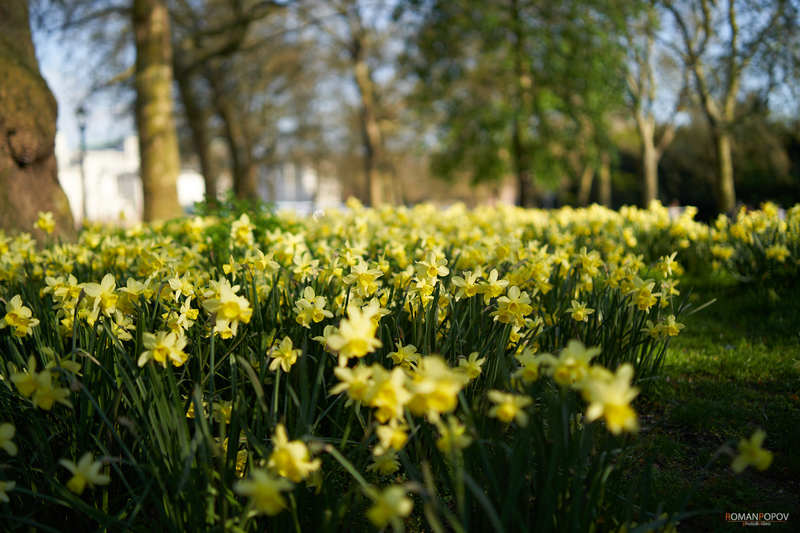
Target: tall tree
[211,36]
[474,65]
[519,88]
[718,49]
[158,141]
[357,31]
[28,170]
[197,117]
[640,38]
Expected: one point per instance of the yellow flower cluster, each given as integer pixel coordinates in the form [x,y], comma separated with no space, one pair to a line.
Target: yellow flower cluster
[413,322]
[39,386]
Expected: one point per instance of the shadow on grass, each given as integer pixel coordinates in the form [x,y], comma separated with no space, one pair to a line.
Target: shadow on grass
[731,371]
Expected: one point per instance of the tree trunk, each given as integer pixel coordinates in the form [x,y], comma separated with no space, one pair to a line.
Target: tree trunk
[604,176]
[726,194]
[198,125]
[650,172]
[158,142]
[28,169]
[649,153]
[521,168]
[370,131]
[243,169]
[585,185]
[524,183]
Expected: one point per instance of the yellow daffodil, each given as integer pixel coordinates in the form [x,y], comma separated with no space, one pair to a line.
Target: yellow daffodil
[434,387]
[609,396]
[242,231]
[102,295]
[85,472]
[311,308]
[46,222]
[778,252]
[387,393]
[163,347]
[579,312]
[529,366]
[385,463]
[355,336]
[405,356]
[509,407]
[290,459]
[264,491]
[467,284]
[46,394]
[18,317]
[25,381]
[283,356]
[7,432]
[392,435]
[228,307]
[472,366]
[452,436]
[356,381]
[572,364]
[493,287]
[388,505]
[514,307]
[751,453]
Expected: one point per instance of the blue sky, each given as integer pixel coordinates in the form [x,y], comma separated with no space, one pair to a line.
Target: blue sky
[66,64]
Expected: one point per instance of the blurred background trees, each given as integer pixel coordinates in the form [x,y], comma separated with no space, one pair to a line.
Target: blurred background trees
[688,101]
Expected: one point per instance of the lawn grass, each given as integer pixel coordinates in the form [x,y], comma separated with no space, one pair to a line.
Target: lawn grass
[730,372]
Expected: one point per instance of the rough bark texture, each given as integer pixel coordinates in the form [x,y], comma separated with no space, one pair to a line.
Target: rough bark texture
[198,124]
[158,142]
[28,169]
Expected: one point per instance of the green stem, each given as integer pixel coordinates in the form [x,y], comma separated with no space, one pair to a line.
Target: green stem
[294,514]
[275,393]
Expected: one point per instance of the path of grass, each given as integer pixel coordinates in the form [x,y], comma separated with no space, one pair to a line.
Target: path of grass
[730,372]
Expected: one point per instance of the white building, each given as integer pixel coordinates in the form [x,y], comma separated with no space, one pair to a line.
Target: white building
[114,189]
[299,187]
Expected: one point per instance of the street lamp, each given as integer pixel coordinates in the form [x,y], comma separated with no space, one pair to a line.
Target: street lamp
[81,115]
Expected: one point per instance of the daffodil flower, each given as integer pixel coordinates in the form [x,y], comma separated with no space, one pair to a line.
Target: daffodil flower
[751,453]
[264,491]
[86,472]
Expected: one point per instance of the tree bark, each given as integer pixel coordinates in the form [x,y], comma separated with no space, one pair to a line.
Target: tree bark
[370,131]
[158,142]
[649,162]
[585,185]
[520,161]
[198,125]
[28,169]
[524,182]
[243,168]
[604,178]
[726,194]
